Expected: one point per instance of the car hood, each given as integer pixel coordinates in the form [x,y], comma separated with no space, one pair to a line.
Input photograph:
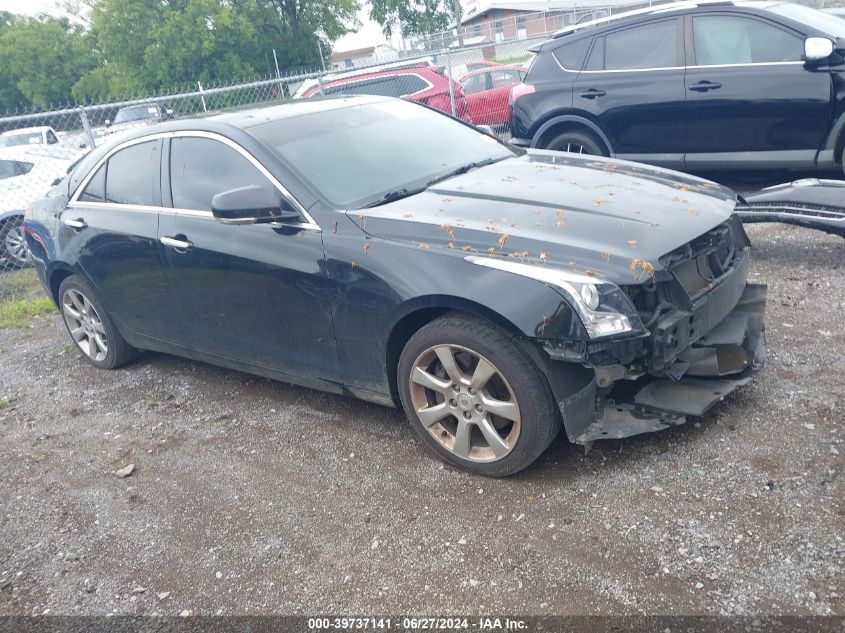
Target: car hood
[608,218]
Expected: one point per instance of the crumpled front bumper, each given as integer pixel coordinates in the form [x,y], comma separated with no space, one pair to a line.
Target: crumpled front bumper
[714,366]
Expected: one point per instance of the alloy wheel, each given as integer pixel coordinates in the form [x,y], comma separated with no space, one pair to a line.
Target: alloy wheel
[15,245]
[465,403]
[85,325]
[575,148]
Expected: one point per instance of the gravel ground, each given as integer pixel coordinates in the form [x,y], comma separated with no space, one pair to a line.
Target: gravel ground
[250,496]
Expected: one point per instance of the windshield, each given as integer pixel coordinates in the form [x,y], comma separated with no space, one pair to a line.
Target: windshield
[136,113]
[356,155]
[811,17]
[11,140]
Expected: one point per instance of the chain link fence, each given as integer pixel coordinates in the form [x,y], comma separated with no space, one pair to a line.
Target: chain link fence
[467,75]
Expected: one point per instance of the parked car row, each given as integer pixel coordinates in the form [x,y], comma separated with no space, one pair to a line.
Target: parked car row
[480,96]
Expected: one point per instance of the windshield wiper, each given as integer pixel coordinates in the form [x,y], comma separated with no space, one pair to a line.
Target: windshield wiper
[464,169]
[393,196]
[405,192]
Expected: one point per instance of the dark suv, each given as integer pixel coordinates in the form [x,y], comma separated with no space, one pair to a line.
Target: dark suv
[717,85]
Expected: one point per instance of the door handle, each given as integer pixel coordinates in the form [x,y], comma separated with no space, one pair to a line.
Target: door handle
[77,224]
[179,242]
[704,86]
[592,93]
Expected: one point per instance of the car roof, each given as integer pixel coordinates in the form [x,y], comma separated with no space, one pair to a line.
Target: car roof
[661,9]
[25,130]
[28,153]
[245,119]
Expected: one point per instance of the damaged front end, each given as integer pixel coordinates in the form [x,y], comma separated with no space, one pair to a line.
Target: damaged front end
[704,338]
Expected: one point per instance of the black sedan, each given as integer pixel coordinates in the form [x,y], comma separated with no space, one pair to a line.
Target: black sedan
[373,247]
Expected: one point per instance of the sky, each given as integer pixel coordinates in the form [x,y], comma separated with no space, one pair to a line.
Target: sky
[369,34]
[30,7]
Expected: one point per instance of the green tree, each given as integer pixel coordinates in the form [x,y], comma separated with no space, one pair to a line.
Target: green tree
[414,17]
[40,60]
[150,46]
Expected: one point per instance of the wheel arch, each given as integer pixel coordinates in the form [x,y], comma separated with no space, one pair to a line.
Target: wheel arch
[416,313]
[567,122]
[835,140]
[56,277]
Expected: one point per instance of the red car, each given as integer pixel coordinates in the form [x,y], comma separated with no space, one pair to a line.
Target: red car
[422,84]
[487,92]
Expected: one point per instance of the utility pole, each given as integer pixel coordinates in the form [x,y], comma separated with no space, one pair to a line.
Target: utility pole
[458,11]
[320,47]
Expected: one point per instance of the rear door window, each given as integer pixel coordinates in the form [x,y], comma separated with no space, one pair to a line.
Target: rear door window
[653,45]
[571,56]
[95,190]
[132,175]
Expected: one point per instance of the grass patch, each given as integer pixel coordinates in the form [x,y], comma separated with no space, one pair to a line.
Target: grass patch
[8,401]
[19,283]
[21,298]
[16,313]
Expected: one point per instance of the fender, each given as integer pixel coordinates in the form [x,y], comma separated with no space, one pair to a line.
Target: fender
[572,118]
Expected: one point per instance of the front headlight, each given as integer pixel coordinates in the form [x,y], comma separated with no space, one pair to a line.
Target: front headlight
[603,308]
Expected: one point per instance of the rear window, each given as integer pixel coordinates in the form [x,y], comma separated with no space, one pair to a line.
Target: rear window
[387,86]
[12,168]
[652,45]
[571,55]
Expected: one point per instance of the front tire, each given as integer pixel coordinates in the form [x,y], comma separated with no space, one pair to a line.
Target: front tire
[90,326]
[474,397]
[577,143]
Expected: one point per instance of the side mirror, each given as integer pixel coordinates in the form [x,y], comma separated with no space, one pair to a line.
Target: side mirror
[817,49]
[108,122]
[252,205]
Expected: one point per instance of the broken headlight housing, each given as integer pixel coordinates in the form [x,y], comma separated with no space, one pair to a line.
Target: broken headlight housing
[604,309]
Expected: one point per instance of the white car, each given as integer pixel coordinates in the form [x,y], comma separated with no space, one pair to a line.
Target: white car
[27,172]
[43,137]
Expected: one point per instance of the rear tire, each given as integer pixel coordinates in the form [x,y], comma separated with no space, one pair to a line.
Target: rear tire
[13,251]
[90,326]
[578,142]
[474,397]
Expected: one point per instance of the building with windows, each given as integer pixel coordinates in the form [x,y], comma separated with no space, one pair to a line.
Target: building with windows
[360,57]
[497,21]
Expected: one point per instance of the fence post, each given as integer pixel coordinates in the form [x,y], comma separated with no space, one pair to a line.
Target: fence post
[202,97]
[451,81]
[320,85]
[87,127]
[278,75]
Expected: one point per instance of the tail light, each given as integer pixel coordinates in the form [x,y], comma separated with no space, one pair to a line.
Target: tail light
[520,90]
